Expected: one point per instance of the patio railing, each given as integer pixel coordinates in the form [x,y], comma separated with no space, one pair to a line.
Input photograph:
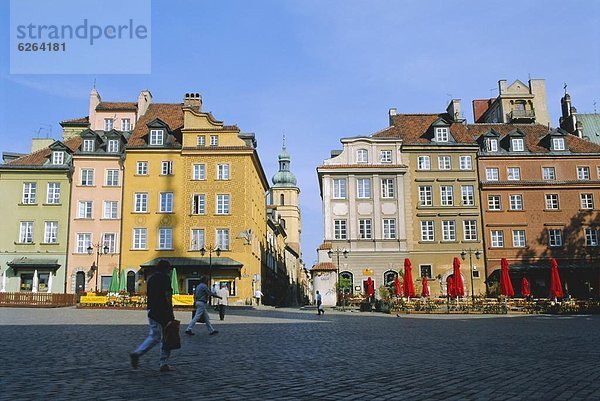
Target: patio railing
[36,299]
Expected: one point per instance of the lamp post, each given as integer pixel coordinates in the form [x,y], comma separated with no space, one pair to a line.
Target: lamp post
[337,252]
[463,255]
[210,250]
[100,250]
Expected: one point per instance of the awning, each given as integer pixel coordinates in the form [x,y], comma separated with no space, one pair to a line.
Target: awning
[198,264]
[546,267]
[33,263]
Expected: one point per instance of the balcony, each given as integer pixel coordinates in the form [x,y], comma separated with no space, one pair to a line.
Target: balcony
[522,116]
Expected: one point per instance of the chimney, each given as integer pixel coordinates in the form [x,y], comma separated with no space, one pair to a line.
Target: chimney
[193,100]
[392,112]
[502,86]
[94,102]
[40,143]
[454,110]
[144,100]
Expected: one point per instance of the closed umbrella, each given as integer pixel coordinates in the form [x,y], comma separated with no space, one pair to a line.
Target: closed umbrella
[50,282]
[122,282]
[174,283]
[450,286]
[459,287]
[555,285]
[398,287]
[425,290]
[114,282]
[370,287]
[407,284]
[36,280]
[506,287]
[525,290]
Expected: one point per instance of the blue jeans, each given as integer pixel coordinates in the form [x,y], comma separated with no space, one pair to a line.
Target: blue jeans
[154,337]
[200,310]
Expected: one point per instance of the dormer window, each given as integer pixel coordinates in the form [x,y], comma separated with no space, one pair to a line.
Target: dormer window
[58,157]
[108,124]
[362,156]
[113,146]
[491,145]
[88,145]
[442,134]
[214,140]
[157,137]
[558,143]
[517,145]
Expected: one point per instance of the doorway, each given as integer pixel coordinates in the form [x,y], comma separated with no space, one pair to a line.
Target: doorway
[79,282]
[130,282]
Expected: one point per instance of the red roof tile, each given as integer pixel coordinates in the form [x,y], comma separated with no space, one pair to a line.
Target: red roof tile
[76,121]
[116,106]
[41,156]
[324,266]
[170,113]
[325,245]
[480,106]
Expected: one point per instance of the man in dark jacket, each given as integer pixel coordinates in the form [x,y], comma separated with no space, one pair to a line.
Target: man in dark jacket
[160,313]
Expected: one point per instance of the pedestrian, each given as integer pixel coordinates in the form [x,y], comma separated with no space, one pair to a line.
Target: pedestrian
[258,295]
[202,296]
[224,301]
[160,314]
[320,309]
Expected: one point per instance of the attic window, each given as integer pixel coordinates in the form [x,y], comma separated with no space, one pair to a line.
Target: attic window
[113,146]
[362,156]
[441,134]
[517,145]
[108,124]
[491,145]
[88,145]
[58,157]
[156,137]
[558,143]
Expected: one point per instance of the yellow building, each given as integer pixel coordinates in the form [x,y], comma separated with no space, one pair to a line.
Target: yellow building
[194,194]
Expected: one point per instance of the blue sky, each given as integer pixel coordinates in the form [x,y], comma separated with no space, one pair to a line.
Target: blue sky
[321,70]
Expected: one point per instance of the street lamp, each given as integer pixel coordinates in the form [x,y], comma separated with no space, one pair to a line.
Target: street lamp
[211,249]
[463,255]
[100,250]
[337,252]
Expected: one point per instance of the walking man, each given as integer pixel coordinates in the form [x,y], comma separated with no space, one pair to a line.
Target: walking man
[320,309]
[258,295]
[224,301]
[202,296]
[160,313]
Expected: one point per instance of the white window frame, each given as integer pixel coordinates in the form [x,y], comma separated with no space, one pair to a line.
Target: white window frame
[515,202]
[197,238]
[492,174]
[555,237]
[388,188]
[448,230]
[340,229]
[519,239]
[445,162]
[222,238]
[423,162]
[110,210]
[223,204]
[214,140]
[427,231]
[29,193]
[140,202]
[53,193]
[558,143]
[497,238]
[591,236]
[586,201]
[199,172]
[548,173]
[425,195]
[365,228]
[198,204]
[109,123]
[157,137]
[491,144]
[513,173]
[362,156]
[51,232]
[552,202]
[85,209]
[112,178]
[363,188]
[141,168]
[140,238]
[110,240]
[26,232]
[517,144]
[494,202]
[467,193]
[113,146]
[82,242]
[470,230]
[466,162]
[389,228]
[166,167]
[385,156]
[58,157]
[87,177]
[89,145]
[446,195]
[165,239]
[583,173]
[339,188]
[165,202]
[126,124]
[201,140]
[442,134]
[223,171]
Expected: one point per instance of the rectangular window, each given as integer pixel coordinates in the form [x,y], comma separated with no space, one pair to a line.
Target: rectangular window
[447,195]
[363,188]
[441,134]
[53,197]
[58,157]
[444,162]
[156,137]
[423,163]
[26,232]
[517,145]
[87,177]
[88,145]
[108,124]
[427,233]
[142,168]
[448,230]
[166,167]
[197,239]
[166,202]
[214,140]
[85,210]
[222,238]
[365,229]
[518,238]
[425,271]
[84,241]
[201,140]
[516,202]
[385,156]
[468,195]
[387,188]
[591,237]
[198,172]
[466,162]
[587,201]
[113,146]
[362,156]
[497,238]
[110,240]
[554,237]
[425,196]
[491,174]
[223,171]
[198,204]
[389,228]
[494,202]
[222,204]
[110,210]
[140,202]
[125,124]
[513,173]
[470,230]
[583,173]
[492,145]
[340,229]
[551,201]
[558,144]
[140,236]
[29,190]
[112,178]
[548,173]
[339,188]
[165,238]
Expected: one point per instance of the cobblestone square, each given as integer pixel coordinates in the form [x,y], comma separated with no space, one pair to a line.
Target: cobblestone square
[290,354]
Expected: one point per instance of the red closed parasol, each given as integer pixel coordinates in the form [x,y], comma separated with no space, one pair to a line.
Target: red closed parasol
[370,287]
[425,290]
[398,287]
[506,287]
[407,284]
[450,286]
[525,290]
[459,287]
[555,284]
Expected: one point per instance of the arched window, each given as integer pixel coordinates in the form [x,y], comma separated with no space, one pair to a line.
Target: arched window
[130,281]
[389,277]
[362,156]
[348,278]
[281,200]
[79,282]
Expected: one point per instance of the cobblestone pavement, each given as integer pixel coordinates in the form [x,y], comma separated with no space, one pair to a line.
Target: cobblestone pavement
[289,354]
